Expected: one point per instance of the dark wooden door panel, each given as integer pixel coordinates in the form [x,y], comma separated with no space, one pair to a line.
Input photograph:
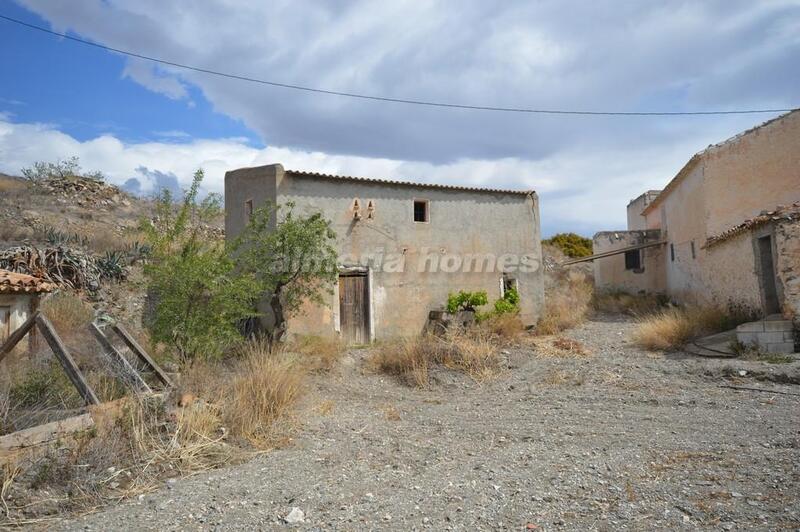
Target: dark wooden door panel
[354,308]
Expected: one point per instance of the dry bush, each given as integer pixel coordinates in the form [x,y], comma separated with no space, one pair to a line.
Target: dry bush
[14,233]
[316,353]
[566,303]
[504,326]
[616,302]
[472,352]
[674,327]
[102,239]
[67,312]
[558,347]
[262,392]
[558,377]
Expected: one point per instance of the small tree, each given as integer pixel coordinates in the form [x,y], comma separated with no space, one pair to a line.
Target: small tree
[291,259]
[466,301]
[70,168]
[199,299]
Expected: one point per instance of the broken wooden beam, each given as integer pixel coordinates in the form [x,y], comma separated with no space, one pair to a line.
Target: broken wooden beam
[46,433]
[15,337]
[62,354]
[124,368]
[613,252]
[134,346]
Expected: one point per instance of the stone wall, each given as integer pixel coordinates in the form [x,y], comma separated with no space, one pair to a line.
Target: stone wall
[787,244]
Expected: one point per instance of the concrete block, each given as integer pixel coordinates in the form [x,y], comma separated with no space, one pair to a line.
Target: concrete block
[770,338]
[753,326]
[747,338]
[783,348]
[788,336]
[778,325]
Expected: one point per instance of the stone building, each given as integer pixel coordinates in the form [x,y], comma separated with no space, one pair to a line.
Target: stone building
[725,230]
[19,298]
[402,246]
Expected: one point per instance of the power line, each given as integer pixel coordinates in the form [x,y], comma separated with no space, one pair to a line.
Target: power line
[385,98]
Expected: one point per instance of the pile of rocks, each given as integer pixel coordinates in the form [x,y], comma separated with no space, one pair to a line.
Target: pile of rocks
[85,190]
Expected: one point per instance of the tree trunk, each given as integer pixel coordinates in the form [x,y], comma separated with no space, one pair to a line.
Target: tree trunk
[279,328]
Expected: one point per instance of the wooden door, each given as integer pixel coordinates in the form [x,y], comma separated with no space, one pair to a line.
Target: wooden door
[5,322]
[354,308]
[767,270]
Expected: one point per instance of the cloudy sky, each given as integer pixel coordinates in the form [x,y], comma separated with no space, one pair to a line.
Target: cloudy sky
[135,120]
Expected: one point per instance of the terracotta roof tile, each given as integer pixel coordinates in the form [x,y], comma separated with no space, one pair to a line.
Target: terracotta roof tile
[12,282]
[409,183]
[782,212]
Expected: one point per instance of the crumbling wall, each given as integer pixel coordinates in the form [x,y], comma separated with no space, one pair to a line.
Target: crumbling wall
[610,273]
[787,267]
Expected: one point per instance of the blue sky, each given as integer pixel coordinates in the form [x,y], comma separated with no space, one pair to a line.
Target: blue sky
[83,91]
[156,124]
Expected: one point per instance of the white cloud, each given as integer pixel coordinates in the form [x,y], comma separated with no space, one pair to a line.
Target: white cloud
[150,76]
[579,191]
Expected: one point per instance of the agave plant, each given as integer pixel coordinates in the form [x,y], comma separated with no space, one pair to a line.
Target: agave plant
[113,265]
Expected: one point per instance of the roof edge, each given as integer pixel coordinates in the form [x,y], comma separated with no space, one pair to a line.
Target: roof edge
[410,183]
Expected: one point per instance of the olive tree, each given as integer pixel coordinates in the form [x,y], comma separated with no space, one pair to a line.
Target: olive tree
[289,257]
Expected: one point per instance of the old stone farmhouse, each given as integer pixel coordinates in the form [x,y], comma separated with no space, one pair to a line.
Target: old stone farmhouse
[402,246]
[724,231]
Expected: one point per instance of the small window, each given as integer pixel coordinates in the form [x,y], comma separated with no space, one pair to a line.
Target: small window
[672,252]
[694,255]
[633,260]
[248,210]
[508,283]
[420,211]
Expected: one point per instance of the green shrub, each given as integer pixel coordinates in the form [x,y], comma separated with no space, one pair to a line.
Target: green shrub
[466,301]
[574,246]
[509,303]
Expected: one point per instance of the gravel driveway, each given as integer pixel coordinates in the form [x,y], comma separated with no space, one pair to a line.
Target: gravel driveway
[622,439]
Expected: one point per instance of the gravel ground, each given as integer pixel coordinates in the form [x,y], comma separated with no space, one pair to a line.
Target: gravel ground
[622,439]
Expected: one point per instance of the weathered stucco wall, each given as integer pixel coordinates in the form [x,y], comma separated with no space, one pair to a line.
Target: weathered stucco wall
[610,273]
[756,171]
[636,221]
[729,275]
[787,240]
[401,253]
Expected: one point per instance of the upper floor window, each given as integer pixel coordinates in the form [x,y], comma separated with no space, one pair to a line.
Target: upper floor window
[421,213]
[248,210]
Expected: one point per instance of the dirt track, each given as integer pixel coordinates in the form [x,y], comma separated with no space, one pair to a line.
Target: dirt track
[619,440]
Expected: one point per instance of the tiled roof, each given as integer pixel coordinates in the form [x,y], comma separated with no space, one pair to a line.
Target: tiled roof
[408,183]
[12,282]
[782,212]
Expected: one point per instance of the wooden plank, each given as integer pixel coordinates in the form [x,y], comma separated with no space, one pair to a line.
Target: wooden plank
[17,335]
[48,432]
[613,252]
[134,346]
[128,372]
[63,356]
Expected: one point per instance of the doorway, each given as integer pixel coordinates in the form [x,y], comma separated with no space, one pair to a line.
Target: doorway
[5,322]
[769,288]
[354,308]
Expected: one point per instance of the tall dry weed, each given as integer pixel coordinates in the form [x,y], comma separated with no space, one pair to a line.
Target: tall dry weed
[566,303]
[674,327]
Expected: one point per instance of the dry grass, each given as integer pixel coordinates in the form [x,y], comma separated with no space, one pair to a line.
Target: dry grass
[623,303]
[674,327]
[560,377]
[472,352]
[504,326]
[566,303]
[316,353]
[262,393]
[558,347]
[67,312]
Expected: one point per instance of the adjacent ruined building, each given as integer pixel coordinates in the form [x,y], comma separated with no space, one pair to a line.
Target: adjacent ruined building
[19,298]
[403,247]
[725,231]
